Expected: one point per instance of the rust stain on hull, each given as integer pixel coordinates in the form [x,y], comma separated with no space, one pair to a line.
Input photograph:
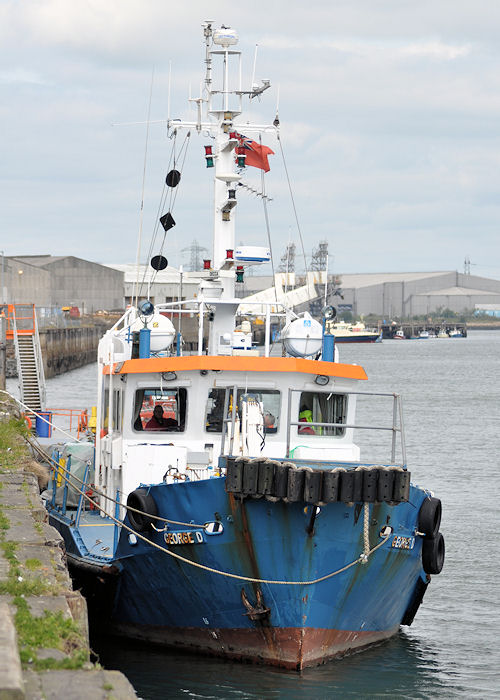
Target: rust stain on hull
[263,629]
[295,648]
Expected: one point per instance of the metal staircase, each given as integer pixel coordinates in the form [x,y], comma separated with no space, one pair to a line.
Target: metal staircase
[22,328]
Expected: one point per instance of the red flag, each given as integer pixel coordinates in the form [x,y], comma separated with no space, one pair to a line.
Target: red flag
[256,153]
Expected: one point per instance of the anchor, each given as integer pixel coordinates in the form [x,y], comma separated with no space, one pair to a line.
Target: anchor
[258,611]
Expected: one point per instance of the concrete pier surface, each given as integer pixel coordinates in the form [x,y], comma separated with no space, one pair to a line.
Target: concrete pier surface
[44,646]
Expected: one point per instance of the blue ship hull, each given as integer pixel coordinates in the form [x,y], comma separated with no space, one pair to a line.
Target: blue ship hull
[166,600]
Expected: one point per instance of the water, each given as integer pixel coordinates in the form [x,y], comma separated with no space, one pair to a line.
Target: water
[451,393]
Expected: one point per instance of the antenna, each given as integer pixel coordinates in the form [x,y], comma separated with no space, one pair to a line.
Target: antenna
[252,84]
[169,86]
[139,237]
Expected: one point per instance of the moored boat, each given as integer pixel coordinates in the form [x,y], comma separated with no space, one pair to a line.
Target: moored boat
[229,508]
[354,333]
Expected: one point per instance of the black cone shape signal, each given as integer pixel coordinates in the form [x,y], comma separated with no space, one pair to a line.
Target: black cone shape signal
[167,221]
[159,262]
[173,178]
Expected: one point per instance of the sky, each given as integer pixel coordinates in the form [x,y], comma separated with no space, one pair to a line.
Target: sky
[389,113]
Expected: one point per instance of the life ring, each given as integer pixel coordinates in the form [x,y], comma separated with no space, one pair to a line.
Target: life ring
[433,552]
[28,421]
[429,517]
[141,499]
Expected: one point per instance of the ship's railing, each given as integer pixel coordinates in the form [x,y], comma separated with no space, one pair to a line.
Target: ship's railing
[396,427]
[204,309]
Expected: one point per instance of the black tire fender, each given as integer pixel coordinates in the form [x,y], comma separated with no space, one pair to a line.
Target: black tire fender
[433,552]
[142,500]
[429,517]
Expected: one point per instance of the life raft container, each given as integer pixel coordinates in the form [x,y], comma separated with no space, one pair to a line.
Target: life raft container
[141,500]
[285,481]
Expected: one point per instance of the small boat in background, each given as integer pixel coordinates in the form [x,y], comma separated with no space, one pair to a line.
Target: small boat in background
[442,333]
[399,335]
[455,333]
[354,333]
[424,335]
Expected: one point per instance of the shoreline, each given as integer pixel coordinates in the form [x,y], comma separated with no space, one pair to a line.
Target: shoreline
[44,640]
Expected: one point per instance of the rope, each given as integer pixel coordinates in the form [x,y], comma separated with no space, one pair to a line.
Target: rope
[366,529]
[293,203]
[139,237]
[268,229]
[38,415]
[172,196]
[71,478]
[360,560]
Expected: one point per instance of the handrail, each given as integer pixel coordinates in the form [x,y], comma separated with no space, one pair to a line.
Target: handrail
[396,427]
[18,355]
[39,361]
[13,317]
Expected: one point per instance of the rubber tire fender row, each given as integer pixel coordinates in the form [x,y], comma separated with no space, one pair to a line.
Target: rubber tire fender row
[142,500]
[433,551]
[429,517]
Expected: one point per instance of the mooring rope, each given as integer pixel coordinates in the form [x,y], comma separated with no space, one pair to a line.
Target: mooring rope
[69,477]
[362,559]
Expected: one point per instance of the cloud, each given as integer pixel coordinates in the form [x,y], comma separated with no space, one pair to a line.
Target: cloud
[21,76]
[389,116]
[391,49]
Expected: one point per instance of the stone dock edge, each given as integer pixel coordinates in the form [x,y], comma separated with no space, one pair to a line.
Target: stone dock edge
[27,531]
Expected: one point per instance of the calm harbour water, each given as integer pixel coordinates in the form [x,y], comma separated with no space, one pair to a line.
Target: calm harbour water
[451,394]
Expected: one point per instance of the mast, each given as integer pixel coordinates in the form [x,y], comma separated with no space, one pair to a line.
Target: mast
[217,109]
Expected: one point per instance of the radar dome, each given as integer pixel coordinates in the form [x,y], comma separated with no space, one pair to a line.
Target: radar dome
[303,337]
[225,36]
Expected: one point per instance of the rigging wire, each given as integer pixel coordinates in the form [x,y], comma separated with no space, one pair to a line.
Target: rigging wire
[268,229]
[139,237]
[158,213]
[293,203]
[168,195]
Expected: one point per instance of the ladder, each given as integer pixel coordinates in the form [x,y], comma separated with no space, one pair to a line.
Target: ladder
[23,329]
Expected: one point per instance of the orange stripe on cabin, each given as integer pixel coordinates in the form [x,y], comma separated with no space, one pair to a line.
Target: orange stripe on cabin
[236,364]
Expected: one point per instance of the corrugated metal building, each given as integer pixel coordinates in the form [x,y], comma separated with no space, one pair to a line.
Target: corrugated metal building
[404,294]
[159,286]
[417,293]
[55,281]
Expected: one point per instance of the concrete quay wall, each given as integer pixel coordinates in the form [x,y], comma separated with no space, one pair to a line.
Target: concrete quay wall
[44,646]
[63,349]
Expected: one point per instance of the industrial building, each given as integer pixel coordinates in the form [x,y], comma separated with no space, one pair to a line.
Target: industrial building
[160,286]
[402,294]
[56,281]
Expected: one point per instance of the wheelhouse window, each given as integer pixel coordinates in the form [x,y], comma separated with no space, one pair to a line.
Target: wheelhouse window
[160,410]
[270,401]
[318,407]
